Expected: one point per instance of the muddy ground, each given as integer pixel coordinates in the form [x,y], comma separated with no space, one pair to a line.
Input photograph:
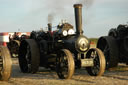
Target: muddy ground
[47,77]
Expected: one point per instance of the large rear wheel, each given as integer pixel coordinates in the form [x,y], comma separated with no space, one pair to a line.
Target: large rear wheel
[29,56]
[110,49]
[5,63]
[65,65]
[99,62]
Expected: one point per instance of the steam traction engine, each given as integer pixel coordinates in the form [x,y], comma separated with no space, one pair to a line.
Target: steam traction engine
[62,50]
[115,46]
[14,43]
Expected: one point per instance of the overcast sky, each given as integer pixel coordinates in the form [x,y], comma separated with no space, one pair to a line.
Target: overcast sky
[27,15]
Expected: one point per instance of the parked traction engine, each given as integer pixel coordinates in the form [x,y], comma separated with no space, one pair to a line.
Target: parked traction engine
[62,50]
[115,46]
[14,43]
[5,64]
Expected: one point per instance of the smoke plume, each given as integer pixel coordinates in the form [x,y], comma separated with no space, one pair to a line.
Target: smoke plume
[60,8]
[50,17]
[86,3]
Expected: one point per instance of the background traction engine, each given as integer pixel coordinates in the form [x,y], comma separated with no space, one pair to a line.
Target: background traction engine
[62,50]
[14,43]
[115,46]
[5,63]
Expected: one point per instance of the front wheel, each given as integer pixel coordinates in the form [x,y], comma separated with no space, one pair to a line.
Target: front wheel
[5,63]
[65,65]
[99,62]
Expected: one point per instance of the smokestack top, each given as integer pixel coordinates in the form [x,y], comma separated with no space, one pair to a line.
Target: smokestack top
[78,5]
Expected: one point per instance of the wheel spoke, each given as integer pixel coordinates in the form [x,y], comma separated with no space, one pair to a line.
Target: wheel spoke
[1,63]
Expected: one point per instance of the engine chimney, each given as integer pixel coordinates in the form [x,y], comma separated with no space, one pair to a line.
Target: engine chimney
[49,26]
[78,18]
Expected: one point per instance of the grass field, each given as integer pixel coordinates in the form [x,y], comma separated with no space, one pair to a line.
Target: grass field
[93,42]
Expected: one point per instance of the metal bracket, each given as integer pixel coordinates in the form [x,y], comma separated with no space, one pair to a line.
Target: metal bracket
[87,62]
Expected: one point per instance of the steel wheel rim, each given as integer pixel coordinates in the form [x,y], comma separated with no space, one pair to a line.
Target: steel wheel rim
[5,64]
[66,68]
[99,62]
[1,63]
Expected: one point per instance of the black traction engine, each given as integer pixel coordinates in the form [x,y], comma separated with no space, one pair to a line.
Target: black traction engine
[62,50]
[115,46]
